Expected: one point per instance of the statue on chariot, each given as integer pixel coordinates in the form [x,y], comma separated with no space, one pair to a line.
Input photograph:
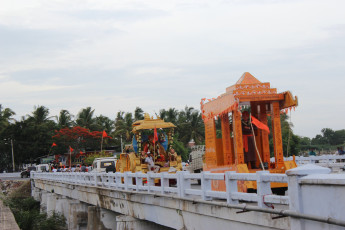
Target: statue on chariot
[151,149]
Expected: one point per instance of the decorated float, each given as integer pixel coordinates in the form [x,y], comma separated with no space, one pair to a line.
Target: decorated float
[228,153]
[150,137]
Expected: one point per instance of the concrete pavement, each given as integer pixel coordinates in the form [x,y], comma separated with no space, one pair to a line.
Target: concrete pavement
[7,221]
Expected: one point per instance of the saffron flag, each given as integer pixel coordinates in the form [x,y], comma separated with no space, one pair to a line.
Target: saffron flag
[155,136]
[104,134]
[70,149]
[54,144]
[260,125]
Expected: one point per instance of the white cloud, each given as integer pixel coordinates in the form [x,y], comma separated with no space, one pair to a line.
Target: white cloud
[116,55]
[10,89]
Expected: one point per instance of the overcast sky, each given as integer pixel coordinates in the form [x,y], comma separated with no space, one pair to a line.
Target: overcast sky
[116,55]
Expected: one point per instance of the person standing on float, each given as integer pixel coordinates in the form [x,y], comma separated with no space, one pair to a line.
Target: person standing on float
[248,141]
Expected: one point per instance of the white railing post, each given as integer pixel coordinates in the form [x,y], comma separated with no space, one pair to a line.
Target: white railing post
[118,179]
[150,181]
[108,180]
[295,194]
[263,187]
[138,181]
[231,186]
[128,180]
[164,182]
[101,178]
[205,186]
[183,183]
[95,179]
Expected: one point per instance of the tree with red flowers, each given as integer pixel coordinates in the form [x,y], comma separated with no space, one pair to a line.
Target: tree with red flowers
[79,138]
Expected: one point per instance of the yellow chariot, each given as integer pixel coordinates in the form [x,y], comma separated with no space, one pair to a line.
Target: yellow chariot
[151,136]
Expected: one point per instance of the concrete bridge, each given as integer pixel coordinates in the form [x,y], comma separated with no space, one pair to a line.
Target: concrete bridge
[112,201]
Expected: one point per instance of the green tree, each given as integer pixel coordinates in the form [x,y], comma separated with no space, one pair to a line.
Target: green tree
[163,114]
[85,119]
[5,117]
[138,114]
[191,126]
[123,126]
[339,137]
[40,115]
[172,115]
[65,119]
[105,123]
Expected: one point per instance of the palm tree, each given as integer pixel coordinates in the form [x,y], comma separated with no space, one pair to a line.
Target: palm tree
[163,114]
[138,114]
[39,115]
[105,123]
[123,125]
[64,119]
[85,119]
[191,126]
[5,117]
[172,115]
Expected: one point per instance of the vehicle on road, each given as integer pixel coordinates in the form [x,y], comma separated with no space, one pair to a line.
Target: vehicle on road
[43,168]
[26,173]
[101,164]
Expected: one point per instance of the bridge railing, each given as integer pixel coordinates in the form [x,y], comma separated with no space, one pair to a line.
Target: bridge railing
[180,184]
[300,160]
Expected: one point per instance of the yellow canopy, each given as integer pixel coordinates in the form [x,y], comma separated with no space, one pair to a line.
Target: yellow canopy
[150,123]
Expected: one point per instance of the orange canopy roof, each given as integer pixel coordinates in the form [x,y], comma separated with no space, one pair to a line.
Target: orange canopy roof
[246,89]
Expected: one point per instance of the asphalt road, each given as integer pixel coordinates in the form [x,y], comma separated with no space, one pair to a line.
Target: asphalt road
[12,176]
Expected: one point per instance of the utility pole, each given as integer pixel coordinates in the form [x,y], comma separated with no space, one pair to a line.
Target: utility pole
[12,155]
[121,144]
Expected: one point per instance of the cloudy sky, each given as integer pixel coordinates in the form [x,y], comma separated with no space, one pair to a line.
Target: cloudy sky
[116,55]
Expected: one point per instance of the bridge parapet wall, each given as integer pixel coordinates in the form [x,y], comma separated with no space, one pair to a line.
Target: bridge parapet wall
[139,189]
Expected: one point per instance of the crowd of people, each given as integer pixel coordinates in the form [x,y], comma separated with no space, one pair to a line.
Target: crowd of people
[74,168]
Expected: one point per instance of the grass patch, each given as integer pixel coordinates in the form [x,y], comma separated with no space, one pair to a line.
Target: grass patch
[26,211]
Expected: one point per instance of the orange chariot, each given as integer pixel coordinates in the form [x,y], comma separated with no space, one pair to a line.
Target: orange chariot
[228,152]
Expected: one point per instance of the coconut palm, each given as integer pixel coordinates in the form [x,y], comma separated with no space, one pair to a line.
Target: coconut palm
[5,117]
[163,114]
[40,115]
[85,119]
[123,125]
[65,119]
[138,114]
[172,115]
[105,123]
[191,126]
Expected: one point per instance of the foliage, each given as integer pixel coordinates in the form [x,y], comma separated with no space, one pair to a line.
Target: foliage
[123,126]
[78,138]
[64,119]
[180,149]
[105,123]
[5,117]
[26,211]
[329,137]
[138,114]
[86,120]
[89,159]
[190,126]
